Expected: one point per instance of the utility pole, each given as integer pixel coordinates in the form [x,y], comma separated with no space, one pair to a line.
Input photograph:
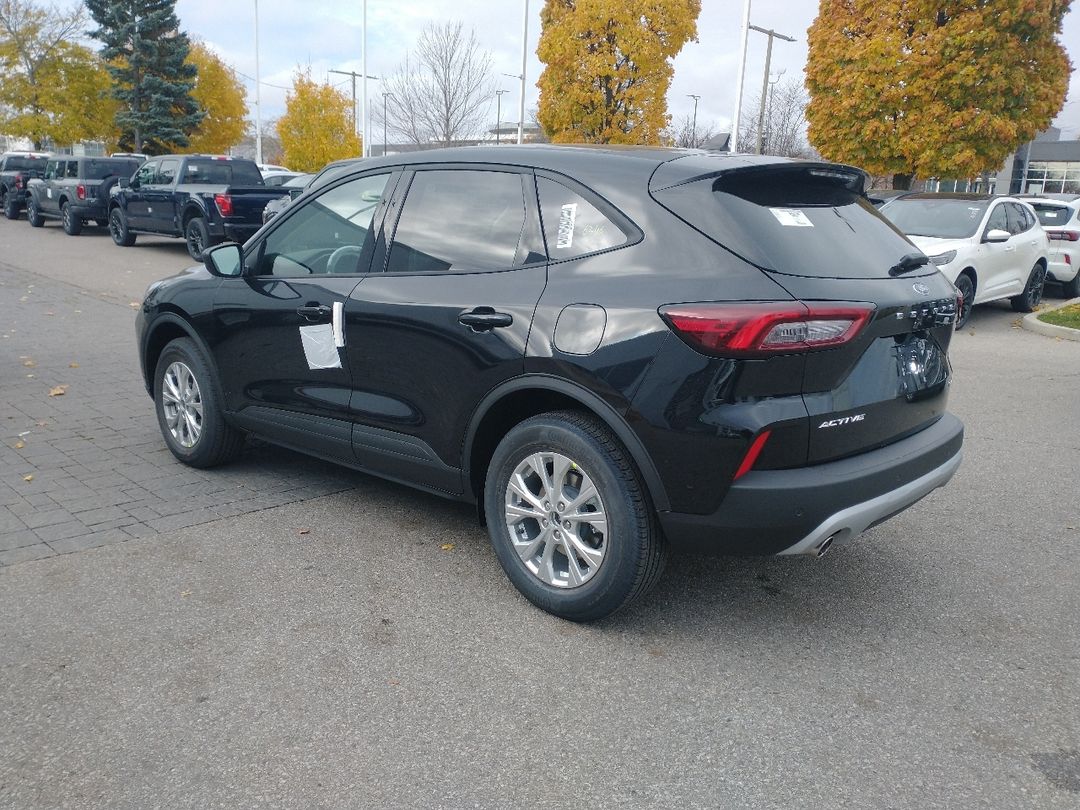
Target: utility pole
[524,58]
[498,115]
[384,95]
[744,35]
[258,94]
[765,83]
[354,76]
[363,101]
[693,131]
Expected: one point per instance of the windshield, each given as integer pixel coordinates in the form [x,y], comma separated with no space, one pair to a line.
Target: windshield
[942,219]
[1052,215]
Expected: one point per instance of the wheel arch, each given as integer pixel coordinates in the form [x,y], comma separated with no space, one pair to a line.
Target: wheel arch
[190,212]
[518,399]
[167,327]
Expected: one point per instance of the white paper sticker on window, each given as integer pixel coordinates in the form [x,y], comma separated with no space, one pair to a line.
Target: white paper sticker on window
[566,225]
[319,348]
[792,217]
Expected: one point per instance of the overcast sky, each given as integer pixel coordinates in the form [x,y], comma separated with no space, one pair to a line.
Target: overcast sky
[327,35]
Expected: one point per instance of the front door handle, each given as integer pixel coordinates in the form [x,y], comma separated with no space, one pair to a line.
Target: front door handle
[484,319]
[314,312]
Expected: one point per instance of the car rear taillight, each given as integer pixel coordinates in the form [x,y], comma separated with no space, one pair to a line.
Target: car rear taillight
[1064,236]
[224,204]
[749,330]
[18,181]
[80,191]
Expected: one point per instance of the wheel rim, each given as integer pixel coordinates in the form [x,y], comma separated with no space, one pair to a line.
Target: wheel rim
[968,294]
[194,238]
[31,210]
[556,520]
[115,229]
[181,401]
[69,222]
[1035,287]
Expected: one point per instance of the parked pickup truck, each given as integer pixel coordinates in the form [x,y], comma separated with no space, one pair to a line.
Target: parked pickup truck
[16,171]
[204,199]
[76,189]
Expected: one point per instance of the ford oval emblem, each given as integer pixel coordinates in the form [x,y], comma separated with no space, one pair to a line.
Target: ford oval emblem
[920,288]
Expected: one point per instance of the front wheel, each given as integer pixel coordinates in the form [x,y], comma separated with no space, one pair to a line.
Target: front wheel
[33,214]
[118,228]
[197,237]
[967,295]
[570,519]
[72,223]
[1032,295]
[189,407]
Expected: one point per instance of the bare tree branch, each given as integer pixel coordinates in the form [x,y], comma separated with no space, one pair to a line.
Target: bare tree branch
[785,120]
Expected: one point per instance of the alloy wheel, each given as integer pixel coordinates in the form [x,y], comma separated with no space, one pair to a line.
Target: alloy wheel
[556,520]
[182,403]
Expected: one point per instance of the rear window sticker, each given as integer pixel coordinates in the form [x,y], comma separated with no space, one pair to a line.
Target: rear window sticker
[791,218]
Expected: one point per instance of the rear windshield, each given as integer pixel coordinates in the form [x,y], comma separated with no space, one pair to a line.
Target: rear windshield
[100,169]
[15,163]
[944,219]
[1052,215]
[222,173]
[793,220]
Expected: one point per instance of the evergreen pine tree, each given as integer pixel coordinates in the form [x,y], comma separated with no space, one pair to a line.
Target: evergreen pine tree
[146,52]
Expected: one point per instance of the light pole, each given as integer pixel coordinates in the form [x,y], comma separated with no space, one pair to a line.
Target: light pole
[771,129]
[765,82]
[524,57]
[693,131]
[384,95]
[498,115]
[363,103]
[258,94]
[744,35]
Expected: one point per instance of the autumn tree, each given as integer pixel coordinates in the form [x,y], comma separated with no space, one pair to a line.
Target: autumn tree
[317,126]
[927,88]
[442,90]
[221,96]
[53,89]
[607,67]
[147,56]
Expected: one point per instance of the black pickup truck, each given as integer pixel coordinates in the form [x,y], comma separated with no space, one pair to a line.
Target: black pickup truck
[16,171]
[76,189]
[204,199]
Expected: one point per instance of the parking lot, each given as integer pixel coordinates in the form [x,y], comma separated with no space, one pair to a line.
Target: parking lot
[283,632]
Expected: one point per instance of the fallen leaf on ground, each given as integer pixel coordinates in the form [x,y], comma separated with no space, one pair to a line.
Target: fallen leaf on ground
[29,363]
[447,546]
[184,594]
[42,423]
[394,682]
[134,305]
[28,478]
[304,531]
[20,444]
[73,365]
[50,313]
[58,390]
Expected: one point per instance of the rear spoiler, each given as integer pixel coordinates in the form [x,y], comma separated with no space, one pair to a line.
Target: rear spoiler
[675,173]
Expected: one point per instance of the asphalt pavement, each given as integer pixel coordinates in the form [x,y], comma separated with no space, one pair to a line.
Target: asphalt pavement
[308,636]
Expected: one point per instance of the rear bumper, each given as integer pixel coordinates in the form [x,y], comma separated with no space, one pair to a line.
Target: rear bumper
[90,210]
[1059,271]
[796,511]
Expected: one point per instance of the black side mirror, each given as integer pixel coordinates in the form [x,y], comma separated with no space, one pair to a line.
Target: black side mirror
[225,260]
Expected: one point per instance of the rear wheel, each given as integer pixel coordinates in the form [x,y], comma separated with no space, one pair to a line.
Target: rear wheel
[189,407]
[11,206]
[1032,295]
[72,223]
[118,228]
[569,518]
[967,292]
[33,214]
[197,237]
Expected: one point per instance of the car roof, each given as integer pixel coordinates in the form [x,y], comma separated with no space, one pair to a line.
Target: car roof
[934,195]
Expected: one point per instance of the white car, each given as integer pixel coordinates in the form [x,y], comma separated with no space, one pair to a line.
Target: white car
[989,247]
[1061,221]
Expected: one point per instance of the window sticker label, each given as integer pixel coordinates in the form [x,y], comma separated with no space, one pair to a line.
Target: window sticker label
[319,348]
[567,216]
[791,218]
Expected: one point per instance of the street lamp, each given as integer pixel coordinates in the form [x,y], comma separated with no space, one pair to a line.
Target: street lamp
[498,115]
[693,131]
[258,95]
[524,57]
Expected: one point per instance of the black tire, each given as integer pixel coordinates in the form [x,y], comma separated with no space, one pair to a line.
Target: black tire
[11,206]
[72,223]
[118,228]
[967,290]
[33,214]
[216,441]
[197,237]
[1071,289]
[633,546]
[1032,295]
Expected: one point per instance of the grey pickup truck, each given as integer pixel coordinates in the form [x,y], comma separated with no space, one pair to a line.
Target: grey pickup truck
[204,199]
[75,190]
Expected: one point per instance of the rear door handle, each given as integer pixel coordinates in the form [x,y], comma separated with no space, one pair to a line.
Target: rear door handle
[314,312]
[483,319]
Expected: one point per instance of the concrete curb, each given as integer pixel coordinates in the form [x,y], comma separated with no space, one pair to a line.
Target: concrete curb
[1032,323]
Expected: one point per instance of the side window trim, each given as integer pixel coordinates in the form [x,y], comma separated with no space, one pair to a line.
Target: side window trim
[629,228]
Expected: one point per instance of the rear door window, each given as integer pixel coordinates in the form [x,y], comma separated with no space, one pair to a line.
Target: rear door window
[573,226]
[72,171]
[460,221]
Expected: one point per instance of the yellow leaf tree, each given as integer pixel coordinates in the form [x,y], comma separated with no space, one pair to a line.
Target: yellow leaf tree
[220,94]
[607,67]
[932,89]
[317,126]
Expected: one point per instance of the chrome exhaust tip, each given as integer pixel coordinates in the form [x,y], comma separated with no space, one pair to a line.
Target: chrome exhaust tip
[825,545]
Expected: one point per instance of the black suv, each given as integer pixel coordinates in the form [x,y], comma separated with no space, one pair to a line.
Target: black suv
[610,351]
[76,189]
[16,171]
